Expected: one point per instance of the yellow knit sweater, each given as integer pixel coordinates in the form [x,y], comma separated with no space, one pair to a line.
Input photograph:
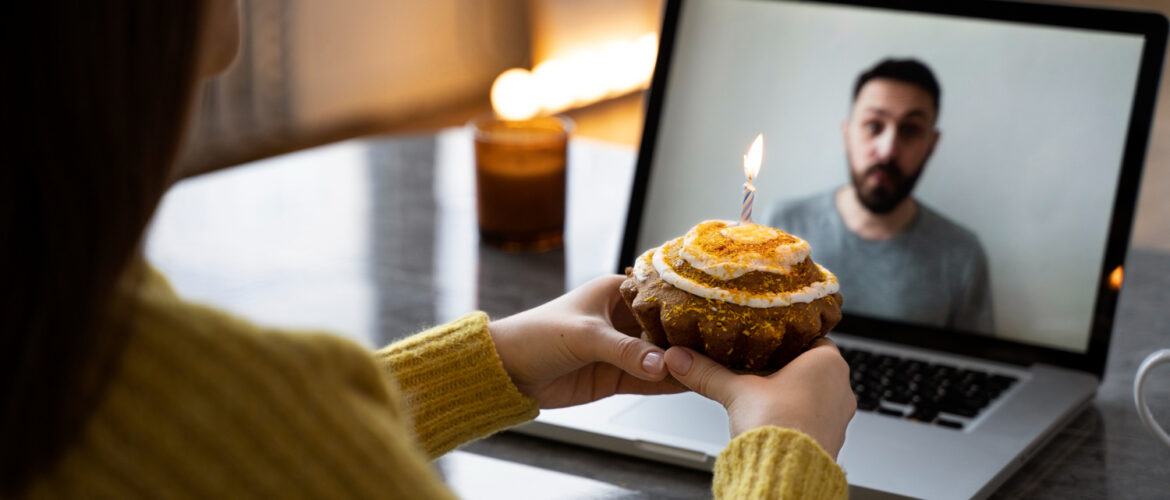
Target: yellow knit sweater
[205,405]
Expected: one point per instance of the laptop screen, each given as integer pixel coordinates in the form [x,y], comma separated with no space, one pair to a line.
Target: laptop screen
[959,174]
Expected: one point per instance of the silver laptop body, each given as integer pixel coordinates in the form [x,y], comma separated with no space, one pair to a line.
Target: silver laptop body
[717,83]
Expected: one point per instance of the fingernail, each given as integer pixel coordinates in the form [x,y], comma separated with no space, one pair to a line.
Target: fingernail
[652,363]
[682,362]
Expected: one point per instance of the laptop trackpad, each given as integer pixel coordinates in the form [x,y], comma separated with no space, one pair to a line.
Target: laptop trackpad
[687,415]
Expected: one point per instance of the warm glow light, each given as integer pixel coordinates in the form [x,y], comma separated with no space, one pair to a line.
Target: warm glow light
[578,78]
[591,73]
[1115,278]
[554,83]
[646,54]
[755,156]
[513,95]
[623,73]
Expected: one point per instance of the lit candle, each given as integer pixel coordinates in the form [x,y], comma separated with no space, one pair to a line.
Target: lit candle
[520,160]
[751,168]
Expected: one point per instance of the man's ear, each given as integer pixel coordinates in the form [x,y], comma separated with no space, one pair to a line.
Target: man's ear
[935,135]
[845,130]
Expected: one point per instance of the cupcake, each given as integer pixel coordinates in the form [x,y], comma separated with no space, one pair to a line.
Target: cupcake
[747,295]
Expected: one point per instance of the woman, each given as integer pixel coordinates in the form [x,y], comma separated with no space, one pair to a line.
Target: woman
[115,387]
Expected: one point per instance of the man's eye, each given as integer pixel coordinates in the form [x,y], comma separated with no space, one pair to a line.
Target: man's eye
[873,128]
[909,131]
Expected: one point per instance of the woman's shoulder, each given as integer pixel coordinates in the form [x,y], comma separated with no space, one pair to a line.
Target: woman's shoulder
[160,317]
[204,347]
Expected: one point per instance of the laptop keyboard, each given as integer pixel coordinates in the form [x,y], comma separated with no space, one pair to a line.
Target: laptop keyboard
[931,393]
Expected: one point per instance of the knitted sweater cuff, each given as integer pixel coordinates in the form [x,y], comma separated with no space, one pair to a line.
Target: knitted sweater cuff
[772,462]
[454,384]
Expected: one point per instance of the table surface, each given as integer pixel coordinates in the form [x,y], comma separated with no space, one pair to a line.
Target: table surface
[375,239]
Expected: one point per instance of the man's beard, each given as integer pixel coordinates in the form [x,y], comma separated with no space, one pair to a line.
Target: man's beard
[881,199]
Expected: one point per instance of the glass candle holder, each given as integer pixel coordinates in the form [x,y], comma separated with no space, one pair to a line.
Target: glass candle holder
[520,181]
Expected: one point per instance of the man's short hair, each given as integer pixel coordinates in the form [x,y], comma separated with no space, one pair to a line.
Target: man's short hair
[911,71]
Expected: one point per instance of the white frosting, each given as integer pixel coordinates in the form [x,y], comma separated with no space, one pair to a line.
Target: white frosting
[777,260]
[659,263]
[641,268]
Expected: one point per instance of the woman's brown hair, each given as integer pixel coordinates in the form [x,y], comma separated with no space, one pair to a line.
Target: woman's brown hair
[94,100]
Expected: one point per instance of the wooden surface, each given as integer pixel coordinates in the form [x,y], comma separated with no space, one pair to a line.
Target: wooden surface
[375,239]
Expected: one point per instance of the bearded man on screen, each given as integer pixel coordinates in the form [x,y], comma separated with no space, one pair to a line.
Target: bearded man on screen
[897,257]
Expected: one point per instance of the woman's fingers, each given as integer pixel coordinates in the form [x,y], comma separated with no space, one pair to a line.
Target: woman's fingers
[623,319]
[701,374]
[604,292]
[600,343]
[628,384]
[599,340]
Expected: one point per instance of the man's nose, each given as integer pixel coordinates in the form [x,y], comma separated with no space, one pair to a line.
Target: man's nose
[886,144]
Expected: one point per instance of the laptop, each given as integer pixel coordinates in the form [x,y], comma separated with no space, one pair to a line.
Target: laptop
[1044,116]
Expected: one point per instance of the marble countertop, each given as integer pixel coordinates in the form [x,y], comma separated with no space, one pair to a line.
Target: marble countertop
[375,239]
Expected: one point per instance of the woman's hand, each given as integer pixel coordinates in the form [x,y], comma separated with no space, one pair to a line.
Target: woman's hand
[811,394]
[580,347]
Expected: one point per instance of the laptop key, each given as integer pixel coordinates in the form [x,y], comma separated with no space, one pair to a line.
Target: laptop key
[896,397]
[926,415]
[913,366]
[962,411]
[1000,382]
[977,402]
[949,423]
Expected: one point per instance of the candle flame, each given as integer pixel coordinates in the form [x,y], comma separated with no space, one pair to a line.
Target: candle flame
[512,95]
[1115,278]
[755,156]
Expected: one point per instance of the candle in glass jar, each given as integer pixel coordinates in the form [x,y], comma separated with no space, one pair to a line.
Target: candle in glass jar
[520,181]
